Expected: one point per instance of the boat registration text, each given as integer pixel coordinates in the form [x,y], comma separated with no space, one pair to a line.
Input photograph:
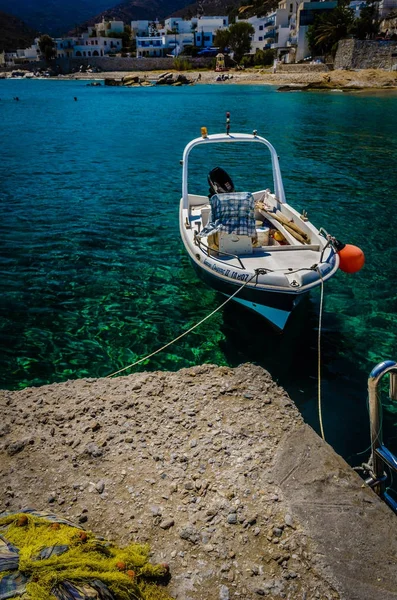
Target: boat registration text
[227,272]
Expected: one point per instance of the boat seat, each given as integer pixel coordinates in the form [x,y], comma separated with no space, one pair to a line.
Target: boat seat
[232,218]
[231,243]
[205,214]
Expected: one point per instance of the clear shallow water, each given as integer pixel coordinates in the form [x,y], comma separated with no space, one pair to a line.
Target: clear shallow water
[92,271]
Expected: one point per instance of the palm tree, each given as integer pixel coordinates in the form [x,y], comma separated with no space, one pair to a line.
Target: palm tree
[329,28]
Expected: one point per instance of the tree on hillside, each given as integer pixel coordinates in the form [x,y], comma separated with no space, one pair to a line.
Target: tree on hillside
[367,25]
[240,35]
[255,8]
[237,37]
[264,57]
[194,32]
[126,36]
[47,47]
[222,38]
[328,28]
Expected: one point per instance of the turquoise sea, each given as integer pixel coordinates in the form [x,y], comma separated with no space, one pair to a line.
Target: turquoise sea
[92,270]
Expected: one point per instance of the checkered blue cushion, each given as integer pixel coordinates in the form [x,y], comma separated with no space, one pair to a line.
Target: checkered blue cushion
[232,213]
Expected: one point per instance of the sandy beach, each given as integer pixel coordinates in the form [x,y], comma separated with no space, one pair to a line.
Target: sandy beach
[360,79]
[347,80]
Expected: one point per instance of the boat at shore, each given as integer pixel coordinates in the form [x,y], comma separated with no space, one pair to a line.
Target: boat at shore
[252,246]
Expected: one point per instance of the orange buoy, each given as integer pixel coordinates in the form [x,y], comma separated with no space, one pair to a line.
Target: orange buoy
[351,258]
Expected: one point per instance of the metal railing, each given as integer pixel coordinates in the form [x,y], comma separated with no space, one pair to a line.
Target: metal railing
[380,455]
[269,34]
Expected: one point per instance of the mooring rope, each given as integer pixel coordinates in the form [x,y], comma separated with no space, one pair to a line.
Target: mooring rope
[185,332]
[320,317]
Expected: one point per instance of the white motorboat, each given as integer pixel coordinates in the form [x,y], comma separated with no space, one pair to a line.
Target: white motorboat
[253,242]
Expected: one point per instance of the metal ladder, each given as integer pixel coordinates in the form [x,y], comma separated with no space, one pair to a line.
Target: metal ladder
[380,455]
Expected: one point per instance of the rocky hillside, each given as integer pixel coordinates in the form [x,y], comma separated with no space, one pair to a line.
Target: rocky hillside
[233,8]
[152,9]
[140,9]
[14,33]
[57,17]
[54,17]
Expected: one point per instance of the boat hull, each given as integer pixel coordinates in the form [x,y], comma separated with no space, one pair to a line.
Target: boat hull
[274,306]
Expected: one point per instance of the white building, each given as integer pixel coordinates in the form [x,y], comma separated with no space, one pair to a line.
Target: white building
[150,46]
[32,53]
[386,7]
[205,29]
[86,46]
[271,31]
[179,25]
[306,14]
[276,31]
[261,26]
[199,31]
[146,28]
[10,58]
[106,28]
[164,45]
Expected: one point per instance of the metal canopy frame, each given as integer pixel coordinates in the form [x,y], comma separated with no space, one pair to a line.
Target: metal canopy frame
[228,139]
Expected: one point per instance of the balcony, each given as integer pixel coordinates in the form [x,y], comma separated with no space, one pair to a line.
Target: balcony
[149,43]
[270,34]
[270,22]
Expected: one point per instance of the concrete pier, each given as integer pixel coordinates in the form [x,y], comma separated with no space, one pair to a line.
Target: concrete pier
[215,468]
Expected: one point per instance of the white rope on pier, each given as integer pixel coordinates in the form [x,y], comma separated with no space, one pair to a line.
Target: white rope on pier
[320,317]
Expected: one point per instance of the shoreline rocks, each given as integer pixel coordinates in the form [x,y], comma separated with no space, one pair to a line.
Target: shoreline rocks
[133,80]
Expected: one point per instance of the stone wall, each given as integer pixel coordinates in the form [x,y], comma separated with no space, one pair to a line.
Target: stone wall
[366,54]
[25,66]
[116,63]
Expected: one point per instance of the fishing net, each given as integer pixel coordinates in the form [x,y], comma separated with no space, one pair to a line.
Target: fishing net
[43,557]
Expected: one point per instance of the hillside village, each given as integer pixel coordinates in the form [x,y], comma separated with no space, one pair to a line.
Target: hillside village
[282,31]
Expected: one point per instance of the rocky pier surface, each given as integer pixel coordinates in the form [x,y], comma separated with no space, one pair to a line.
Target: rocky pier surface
[215,468]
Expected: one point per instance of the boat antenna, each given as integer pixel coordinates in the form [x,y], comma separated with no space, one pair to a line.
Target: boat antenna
[227,123]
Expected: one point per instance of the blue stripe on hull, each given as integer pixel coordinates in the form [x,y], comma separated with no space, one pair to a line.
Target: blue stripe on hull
[277,317]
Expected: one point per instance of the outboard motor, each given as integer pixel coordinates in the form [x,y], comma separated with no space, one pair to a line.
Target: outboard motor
[220,182]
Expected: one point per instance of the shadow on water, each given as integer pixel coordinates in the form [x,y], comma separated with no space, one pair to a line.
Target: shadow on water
[291,358]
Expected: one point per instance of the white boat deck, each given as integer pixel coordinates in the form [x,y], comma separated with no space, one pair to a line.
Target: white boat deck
[276,257]
[268,259]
